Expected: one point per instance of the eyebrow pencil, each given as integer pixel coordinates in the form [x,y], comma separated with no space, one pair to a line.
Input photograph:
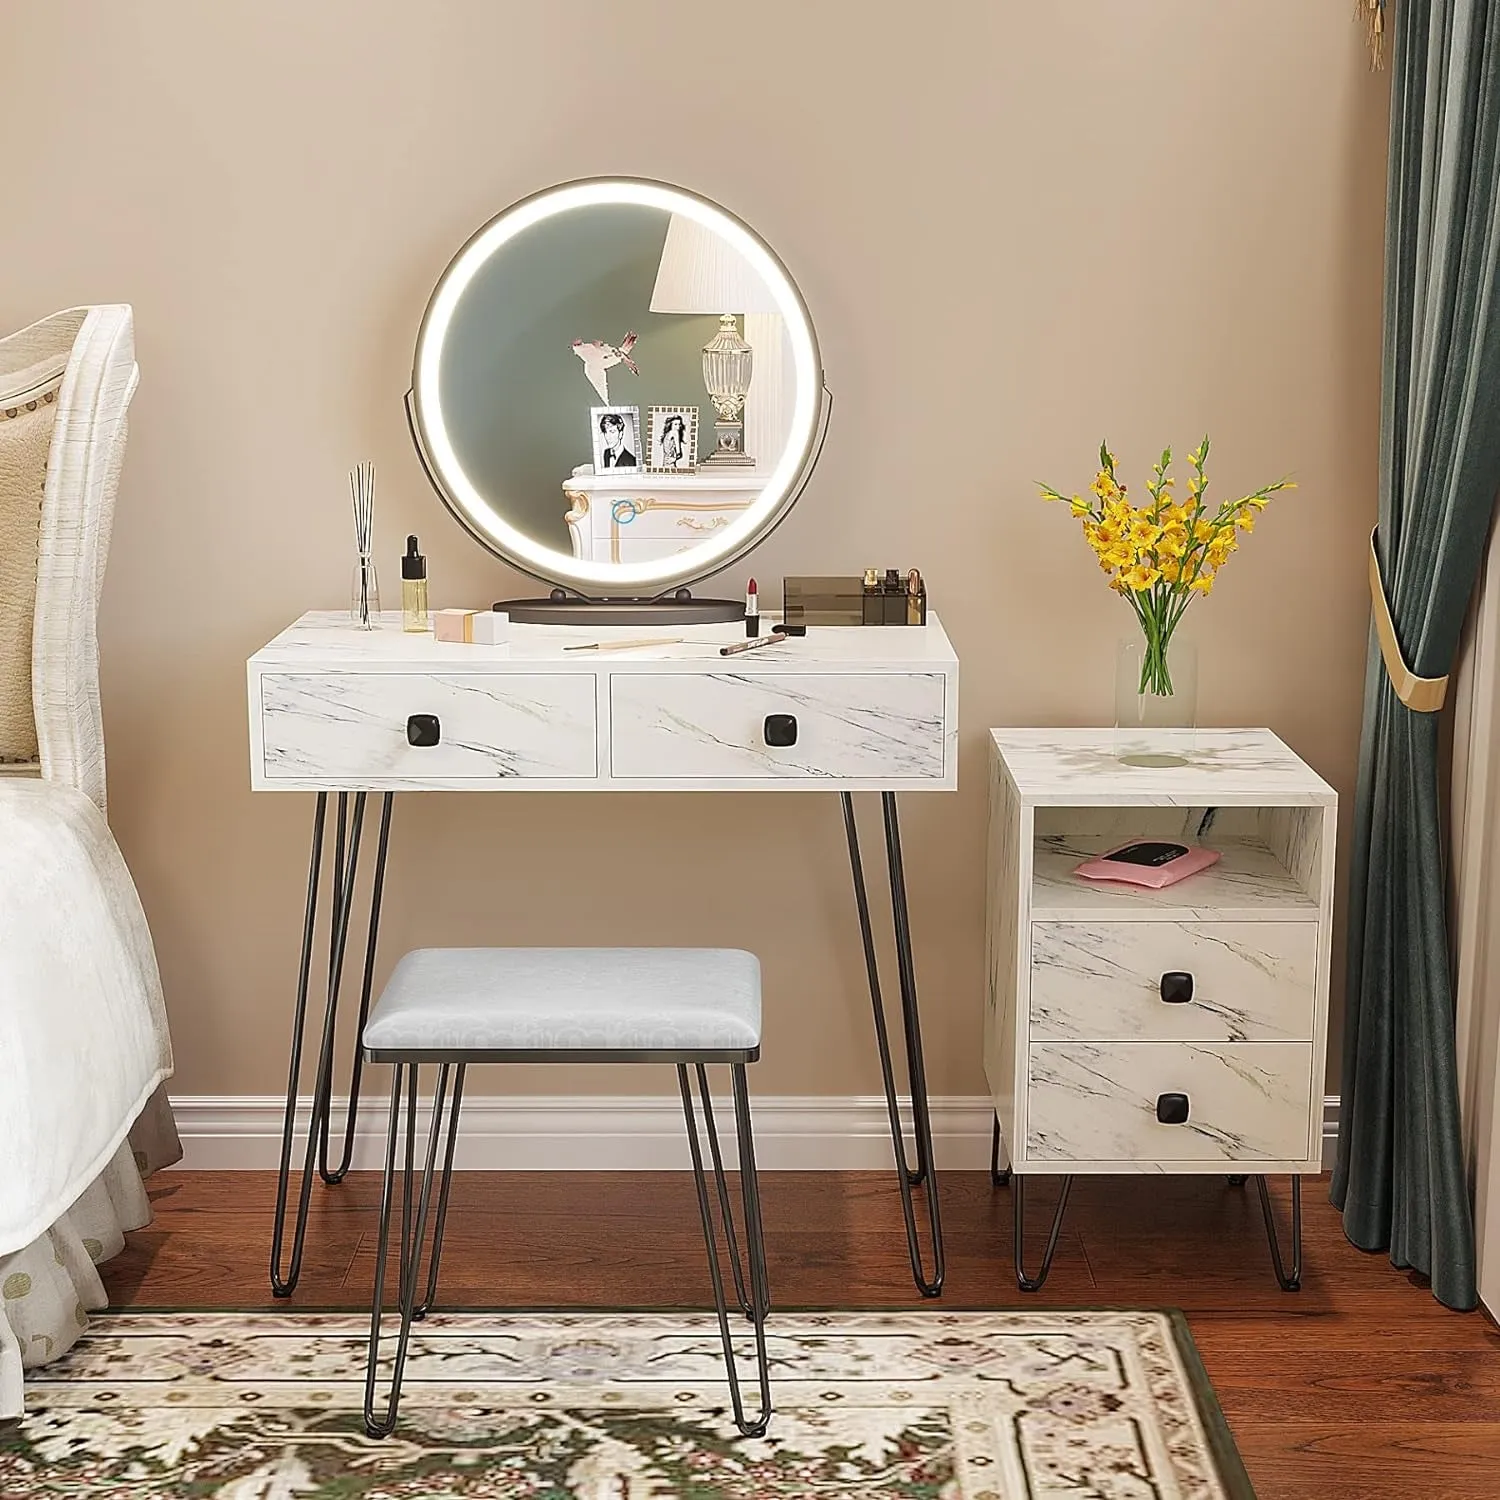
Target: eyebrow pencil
[663,640]
[774,639]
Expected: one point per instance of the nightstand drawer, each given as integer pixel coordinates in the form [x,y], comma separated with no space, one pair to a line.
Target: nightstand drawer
[1242,1102]
[1173,981]
[427,730]
[748,725]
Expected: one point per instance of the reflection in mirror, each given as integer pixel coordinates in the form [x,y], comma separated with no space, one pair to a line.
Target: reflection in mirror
[603,389]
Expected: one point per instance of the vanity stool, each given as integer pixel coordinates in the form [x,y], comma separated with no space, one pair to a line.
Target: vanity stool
[454,1006]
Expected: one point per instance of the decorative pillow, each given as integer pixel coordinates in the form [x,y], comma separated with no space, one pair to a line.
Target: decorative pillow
[25,437]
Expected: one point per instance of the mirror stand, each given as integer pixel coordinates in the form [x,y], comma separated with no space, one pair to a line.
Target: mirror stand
[676,608]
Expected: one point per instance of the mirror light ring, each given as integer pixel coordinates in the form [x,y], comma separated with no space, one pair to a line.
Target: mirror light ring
[479,515]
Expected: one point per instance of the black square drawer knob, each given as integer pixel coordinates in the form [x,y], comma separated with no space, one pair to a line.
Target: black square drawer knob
[781,730]
[1172,1109]
[1177,988]
[423,730]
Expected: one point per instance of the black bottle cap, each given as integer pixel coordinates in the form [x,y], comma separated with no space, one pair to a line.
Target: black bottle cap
[413,565]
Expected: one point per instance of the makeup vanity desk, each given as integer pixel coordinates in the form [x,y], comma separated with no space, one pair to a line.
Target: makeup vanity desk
[335,709]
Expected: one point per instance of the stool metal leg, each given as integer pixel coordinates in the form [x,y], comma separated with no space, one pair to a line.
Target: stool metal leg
[1018,1210]
[1287,1280]
[413,1231]
[907,1178]
[282,1285]
[425,1306]
[722,1187]
[755,1243]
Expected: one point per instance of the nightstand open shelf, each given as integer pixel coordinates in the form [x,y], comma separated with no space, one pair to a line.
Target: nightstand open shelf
[1251,883]
[1183,1030]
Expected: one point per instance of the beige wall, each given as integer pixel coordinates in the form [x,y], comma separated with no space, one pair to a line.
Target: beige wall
[1019,226]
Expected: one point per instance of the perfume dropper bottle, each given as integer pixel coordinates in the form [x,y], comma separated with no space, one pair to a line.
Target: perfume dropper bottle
[414,589]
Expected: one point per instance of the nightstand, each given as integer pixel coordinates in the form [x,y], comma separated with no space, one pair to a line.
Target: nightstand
[1181,1030]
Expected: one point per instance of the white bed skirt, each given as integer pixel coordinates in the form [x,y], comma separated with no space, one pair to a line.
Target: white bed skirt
[48,1289]
[83,1049]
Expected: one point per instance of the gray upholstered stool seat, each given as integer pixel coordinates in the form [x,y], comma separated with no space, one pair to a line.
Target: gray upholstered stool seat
[518,1004]
[456,1006]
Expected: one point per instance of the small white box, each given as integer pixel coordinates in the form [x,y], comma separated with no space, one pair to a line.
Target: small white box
[489,627]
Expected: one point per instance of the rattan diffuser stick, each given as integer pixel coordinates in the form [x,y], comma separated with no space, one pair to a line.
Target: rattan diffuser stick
[364,596]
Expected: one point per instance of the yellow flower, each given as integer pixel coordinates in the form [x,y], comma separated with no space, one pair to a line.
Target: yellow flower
[1173,542]
[1260,502]
[1245,521]
[1103,486]
[1079,506]
[1141,577]
[1202,584]
[1171,570]
[1121,555]
[1204,531]
[1118,584]
[1175,515]
[1144,532]
[1106,532]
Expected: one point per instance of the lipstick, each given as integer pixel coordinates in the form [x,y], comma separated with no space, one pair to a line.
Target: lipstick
[752,610]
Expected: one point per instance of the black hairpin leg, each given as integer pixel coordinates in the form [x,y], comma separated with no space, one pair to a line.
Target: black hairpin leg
[907,1178]
[999,1176]
[348,830]
[413,1229]
[1288,1281]
[726,1215]
[372,938]
[1018,1209]
[759,1289]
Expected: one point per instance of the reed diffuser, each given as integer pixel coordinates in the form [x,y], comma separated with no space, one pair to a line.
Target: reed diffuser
[364,587]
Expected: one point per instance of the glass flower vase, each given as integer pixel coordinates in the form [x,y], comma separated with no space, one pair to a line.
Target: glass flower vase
[1156,701]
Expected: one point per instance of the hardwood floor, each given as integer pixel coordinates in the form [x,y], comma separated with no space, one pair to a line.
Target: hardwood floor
[1359,1385]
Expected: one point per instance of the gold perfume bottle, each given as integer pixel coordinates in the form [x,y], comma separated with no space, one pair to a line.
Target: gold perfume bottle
[414,589]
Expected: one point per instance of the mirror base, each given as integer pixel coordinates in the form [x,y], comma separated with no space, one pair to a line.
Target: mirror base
[569,609]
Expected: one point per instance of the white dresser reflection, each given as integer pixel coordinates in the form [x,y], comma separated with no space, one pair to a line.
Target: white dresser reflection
[639,516]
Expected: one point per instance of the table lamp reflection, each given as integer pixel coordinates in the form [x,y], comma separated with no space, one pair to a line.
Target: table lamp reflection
[702,273]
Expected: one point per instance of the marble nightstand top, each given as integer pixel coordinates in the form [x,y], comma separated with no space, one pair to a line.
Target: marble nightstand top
[1225,767]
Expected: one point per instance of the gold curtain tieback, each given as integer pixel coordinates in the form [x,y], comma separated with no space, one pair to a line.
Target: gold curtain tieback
[1423,695]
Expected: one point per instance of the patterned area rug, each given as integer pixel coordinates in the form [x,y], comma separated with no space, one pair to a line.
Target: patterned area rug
[550,1406]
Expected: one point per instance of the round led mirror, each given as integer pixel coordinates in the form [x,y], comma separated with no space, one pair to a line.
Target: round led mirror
[617,390]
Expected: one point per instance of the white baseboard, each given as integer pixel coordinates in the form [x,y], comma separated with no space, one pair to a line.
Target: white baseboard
[617,1133]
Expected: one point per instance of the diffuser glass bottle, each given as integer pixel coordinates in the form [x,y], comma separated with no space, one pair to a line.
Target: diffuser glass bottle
[414,615]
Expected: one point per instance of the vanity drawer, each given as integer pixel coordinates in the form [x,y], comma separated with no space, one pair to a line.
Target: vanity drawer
[734,725]
[1173,981]
[352,727]
[1099,1102]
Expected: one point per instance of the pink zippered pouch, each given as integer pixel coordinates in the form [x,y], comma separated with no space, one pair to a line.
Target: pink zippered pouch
[1155,866]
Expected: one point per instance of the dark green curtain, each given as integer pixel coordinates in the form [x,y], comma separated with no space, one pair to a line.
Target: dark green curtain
[1400,1177]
